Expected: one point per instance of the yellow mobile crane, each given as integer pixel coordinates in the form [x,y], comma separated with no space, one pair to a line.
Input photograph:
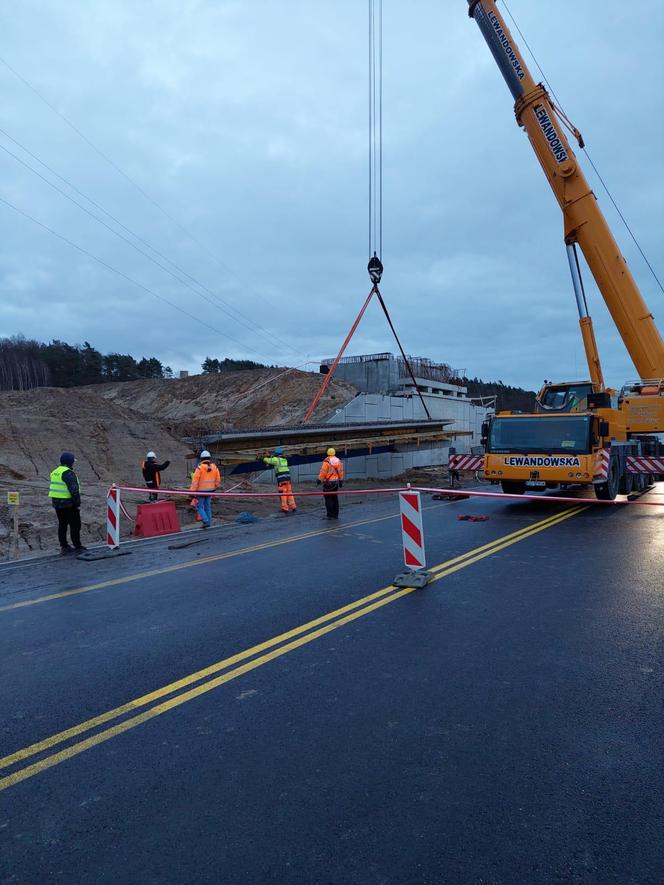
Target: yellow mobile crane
[582,432]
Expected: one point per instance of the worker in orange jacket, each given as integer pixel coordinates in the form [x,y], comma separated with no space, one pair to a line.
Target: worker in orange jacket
[206,479]
[332,477]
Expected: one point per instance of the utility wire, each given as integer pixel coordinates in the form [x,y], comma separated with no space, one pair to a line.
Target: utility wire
[134,183]
[112,163]
[127,240]
[584,149]
[125,276]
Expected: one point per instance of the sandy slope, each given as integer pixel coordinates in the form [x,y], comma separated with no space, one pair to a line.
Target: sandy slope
[110,427]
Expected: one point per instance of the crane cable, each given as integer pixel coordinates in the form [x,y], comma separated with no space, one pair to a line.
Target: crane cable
[584,149]
[375,266]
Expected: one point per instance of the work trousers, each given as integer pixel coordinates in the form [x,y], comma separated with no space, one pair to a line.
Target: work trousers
[286,491]
[153,496]
[204,508]
[69,517]
[331,499]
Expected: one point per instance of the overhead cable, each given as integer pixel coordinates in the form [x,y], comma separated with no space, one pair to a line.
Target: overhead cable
[111,162]
[141,190]
[126,277]
[129,242]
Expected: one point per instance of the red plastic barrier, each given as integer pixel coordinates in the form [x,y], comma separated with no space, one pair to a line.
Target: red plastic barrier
[160,518]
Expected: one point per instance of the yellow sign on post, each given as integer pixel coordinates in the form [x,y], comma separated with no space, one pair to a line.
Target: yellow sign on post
[13,498]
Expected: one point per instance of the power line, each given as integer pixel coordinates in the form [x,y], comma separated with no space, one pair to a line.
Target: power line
[254,326]
[125,276]
[129,242]
[112,163]
[584,149]
[141,190]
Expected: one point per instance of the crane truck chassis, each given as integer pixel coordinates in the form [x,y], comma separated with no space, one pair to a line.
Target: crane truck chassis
[582,433]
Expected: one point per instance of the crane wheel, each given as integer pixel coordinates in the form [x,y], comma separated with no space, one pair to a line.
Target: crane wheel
[513,487]
[608,490]
[627,484]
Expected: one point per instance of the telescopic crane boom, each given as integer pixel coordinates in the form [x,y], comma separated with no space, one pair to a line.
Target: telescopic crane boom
[584,222]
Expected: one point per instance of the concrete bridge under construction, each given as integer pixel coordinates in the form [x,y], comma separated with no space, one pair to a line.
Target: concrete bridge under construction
[266,706]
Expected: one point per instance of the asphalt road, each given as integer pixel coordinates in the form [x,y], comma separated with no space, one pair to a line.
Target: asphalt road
[267,707]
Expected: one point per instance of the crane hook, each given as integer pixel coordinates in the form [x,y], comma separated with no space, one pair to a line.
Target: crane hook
[375,268]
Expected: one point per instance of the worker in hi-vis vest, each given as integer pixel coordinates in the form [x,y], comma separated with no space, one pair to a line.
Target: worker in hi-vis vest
[332,476]
[206,479]
[280,466]
[65,494]
[152,474]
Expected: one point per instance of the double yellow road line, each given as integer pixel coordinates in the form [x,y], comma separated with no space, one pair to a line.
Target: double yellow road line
[126,717]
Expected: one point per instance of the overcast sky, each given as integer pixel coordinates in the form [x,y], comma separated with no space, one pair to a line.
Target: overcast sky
[247,123]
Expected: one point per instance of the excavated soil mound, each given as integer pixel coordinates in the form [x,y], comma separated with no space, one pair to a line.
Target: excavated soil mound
[233,400]
[110,427]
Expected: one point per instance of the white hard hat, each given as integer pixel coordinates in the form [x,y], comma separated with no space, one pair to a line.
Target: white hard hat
[205,454]
[150,455]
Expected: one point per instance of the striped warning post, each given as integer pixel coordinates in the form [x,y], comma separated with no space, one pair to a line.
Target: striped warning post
[412,531]
[466,462]
[649,466]
[113,518]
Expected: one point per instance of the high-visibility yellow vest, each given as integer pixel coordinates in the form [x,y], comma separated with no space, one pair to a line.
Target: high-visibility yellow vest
[280,466]
[58,487]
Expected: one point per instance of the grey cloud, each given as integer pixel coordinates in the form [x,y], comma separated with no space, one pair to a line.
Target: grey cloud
[247,122]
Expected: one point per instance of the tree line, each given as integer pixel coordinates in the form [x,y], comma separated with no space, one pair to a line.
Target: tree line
[507,397]
[212,366]
[26,363]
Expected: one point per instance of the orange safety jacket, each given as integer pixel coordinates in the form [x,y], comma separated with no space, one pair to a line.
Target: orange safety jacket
[206,478]
[332,470]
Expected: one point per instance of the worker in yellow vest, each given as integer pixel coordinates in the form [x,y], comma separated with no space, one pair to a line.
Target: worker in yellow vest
[65,494]
[282,473]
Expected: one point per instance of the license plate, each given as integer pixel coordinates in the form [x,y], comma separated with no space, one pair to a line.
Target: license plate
[536,482]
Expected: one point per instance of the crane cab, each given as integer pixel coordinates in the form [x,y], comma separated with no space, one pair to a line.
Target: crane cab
[574,396]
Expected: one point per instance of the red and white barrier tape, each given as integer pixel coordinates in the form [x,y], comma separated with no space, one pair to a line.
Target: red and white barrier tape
[542,498]
[188,493]
[194,493]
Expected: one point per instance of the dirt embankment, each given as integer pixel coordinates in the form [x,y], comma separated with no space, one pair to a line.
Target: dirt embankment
[110,427]
[233,400]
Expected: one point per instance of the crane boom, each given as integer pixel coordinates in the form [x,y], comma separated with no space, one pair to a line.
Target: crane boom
[584,222]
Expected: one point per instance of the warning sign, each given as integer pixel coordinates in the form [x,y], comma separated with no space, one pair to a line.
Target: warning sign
[13,498]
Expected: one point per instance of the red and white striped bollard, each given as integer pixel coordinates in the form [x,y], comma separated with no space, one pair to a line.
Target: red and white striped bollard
[113,518]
